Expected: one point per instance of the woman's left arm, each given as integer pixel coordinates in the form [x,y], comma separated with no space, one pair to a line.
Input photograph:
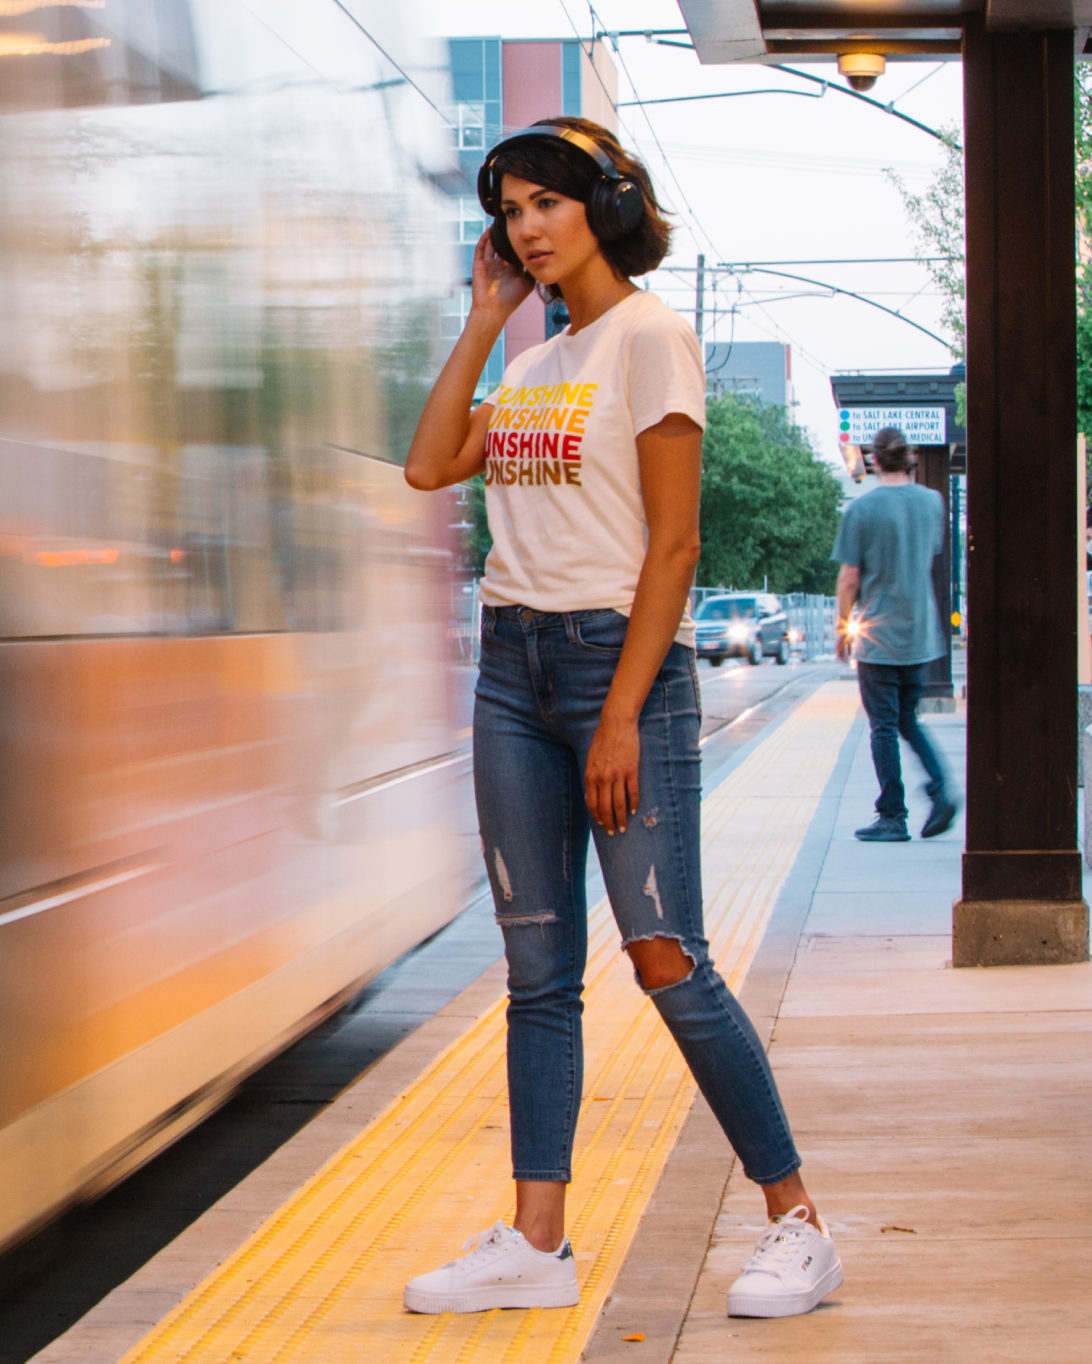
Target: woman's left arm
[669,455]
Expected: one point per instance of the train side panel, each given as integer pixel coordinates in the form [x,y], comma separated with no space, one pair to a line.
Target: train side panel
[226,758]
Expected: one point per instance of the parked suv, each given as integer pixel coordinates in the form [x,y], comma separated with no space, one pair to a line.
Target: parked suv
[751,625]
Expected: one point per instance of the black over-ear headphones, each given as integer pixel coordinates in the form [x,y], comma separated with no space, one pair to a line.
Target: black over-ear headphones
[615,207]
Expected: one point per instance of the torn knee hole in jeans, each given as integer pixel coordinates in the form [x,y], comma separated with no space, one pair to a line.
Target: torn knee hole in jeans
[504,880]
[686,958]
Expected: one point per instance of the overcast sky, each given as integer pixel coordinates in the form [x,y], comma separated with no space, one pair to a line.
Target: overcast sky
[771,177]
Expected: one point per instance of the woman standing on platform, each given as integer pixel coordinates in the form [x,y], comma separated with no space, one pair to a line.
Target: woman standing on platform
[587,709]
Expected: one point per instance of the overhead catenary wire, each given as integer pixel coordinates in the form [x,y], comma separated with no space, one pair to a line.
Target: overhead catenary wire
[588,50]
[888,108]
[826,84]
[719,94]
[284,42]
[663,155]
[779,331]
[864,99]
[820,284]
[387,57]
[939,67]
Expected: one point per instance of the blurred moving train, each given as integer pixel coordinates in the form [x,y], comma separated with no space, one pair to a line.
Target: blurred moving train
[225,749]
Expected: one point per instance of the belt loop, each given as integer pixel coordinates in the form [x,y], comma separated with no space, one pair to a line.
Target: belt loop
[570,628]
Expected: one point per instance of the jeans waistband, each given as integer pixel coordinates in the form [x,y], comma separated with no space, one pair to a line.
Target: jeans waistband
[527,615]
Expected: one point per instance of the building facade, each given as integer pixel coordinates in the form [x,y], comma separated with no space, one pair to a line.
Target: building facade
[756,369]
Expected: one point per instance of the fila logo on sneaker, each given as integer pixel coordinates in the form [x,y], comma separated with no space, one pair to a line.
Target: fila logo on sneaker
[806,1263]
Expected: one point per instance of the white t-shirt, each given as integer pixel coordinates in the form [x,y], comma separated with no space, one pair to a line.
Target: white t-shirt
[562,484]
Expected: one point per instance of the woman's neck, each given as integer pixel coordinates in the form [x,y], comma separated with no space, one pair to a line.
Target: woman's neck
[592,291]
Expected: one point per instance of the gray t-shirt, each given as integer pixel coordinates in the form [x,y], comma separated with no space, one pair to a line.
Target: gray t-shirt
[893,534]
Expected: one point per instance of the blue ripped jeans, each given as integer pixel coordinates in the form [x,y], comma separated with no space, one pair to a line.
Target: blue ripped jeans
[543,681]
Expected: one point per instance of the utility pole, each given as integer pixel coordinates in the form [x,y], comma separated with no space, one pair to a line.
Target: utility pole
[699,298]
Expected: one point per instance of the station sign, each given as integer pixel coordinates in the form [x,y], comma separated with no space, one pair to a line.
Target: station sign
[920,425]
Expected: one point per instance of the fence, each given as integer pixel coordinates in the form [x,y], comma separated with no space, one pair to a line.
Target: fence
[466,620]
[815,618]
[811,620]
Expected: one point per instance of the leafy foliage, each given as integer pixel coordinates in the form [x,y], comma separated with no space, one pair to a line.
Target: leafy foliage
[937,220]
[477,541]
[769,505]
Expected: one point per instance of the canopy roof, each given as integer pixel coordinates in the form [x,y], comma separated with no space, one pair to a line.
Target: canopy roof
[903,30]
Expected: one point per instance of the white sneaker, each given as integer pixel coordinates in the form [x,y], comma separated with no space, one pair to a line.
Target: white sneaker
[794,1267]
[502,1270]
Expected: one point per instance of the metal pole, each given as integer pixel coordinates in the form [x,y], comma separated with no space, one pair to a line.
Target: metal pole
[957,550]
[699,298]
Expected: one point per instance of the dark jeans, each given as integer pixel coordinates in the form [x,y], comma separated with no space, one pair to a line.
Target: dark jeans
[540,692]
[890,695]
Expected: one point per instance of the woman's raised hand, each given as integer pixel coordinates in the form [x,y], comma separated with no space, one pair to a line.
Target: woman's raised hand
[496,286]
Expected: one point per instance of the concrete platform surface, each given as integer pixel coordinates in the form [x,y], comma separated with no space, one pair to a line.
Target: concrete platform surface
[945,1119]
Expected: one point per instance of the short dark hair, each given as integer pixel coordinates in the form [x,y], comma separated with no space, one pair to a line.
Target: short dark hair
[891,453]
[560,166]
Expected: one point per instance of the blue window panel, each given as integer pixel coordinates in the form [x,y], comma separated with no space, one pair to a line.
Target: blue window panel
[467,70]
[570,79]
[476,79]
[491,57]
[494,130]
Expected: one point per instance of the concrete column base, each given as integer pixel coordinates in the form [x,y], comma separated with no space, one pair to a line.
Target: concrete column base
[1019,932]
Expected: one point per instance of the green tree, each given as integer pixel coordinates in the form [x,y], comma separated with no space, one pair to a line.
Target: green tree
[769,505]
[937,219]
[477,542]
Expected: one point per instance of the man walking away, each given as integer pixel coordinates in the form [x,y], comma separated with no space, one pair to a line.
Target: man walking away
[886,545]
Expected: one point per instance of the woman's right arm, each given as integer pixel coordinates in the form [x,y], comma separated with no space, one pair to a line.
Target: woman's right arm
[449,443]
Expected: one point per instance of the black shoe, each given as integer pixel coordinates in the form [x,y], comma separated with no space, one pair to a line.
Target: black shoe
[940,820]
[885,830]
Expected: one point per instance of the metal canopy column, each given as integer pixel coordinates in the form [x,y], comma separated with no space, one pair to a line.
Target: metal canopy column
[1021,870]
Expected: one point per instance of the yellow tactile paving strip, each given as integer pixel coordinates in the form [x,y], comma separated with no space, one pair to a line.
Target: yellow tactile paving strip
[322,1280]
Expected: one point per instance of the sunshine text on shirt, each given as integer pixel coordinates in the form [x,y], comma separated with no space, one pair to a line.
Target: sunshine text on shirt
[535,434]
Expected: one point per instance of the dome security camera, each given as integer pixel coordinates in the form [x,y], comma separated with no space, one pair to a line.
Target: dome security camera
[862,69]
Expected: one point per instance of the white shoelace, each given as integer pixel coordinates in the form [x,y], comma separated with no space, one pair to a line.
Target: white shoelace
[486,1244]
[777,1245]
